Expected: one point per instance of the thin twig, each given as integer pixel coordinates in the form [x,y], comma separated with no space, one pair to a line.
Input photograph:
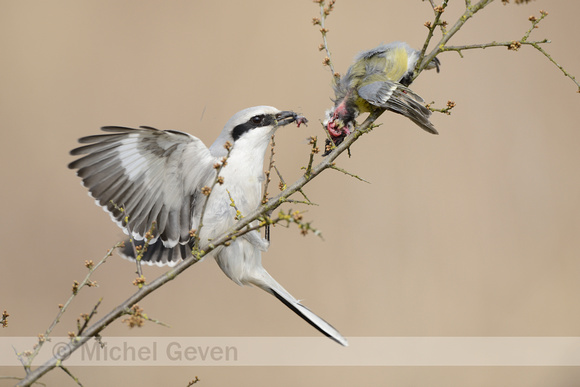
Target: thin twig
[446,110]
[305,202]
[324,12]
[283,184]
[239,214]
[510,43]
[136,253]
[70,374]
[208,191]
[535,22]
[432,26]
[304,195]
[282,181]
[468,14]
[269,171]
[90,316]
[573,78]
[348,173]
[155,321]
[312,141]
[64,307]
[268,174]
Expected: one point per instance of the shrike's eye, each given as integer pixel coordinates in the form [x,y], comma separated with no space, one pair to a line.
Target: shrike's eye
[257,120]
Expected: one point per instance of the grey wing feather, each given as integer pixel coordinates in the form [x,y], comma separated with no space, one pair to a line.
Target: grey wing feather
[399,99]
[153,175]
[157,253]
[377,93]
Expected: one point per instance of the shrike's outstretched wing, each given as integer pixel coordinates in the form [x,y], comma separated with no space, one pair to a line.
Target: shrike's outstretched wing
[146,175]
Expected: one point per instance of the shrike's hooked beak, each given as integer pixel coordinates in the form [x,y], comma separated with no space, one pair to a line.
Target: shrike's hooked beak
[287,117]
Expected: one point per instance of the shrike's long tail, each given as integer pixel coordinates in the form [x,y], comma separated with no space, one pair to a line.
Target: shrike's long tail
[241,271]
[270,285]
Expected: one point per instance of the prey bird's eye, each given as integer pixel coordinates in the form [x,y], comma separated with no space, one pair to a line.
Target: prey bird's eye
[257,120]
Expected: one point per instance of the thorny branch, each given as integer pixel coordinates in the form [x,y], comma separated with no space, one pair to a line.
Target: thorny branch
[348,173]
[436,22]
[139,251]
[268,172]
[43,337]
[87,317]
[261,214]
[207,192]
[470,11]
[446,110]
[325,10]
[66,371]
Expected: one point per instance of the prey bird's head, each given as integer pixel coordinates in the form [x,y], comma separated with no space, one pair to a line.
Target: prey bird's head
[339,120]
[253,127]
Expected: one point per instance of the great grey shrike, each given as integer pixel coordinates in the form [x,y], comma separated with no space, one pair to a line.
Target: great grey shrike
[146,175]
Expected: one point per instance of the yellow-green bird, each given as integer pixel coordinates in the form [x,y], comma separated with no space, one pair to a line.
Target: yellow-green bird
[379,78]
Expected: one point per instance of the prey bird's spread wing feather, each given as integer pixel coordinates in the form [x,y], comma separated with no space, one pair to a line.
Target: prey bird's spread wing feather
[399,99]
[146,175]
[377,93]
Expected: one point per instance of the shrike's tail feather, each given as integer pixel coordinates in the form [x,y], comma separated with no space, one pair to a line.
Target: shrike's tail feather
[317,322]
[160,255]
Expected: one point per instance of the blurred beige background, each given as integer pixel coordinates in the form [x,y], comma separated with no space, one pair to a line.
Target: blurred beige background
[474,232]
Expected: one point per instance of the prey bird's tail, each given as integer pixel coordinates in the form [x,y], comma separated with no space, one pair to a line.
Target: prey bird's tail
[407,103]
